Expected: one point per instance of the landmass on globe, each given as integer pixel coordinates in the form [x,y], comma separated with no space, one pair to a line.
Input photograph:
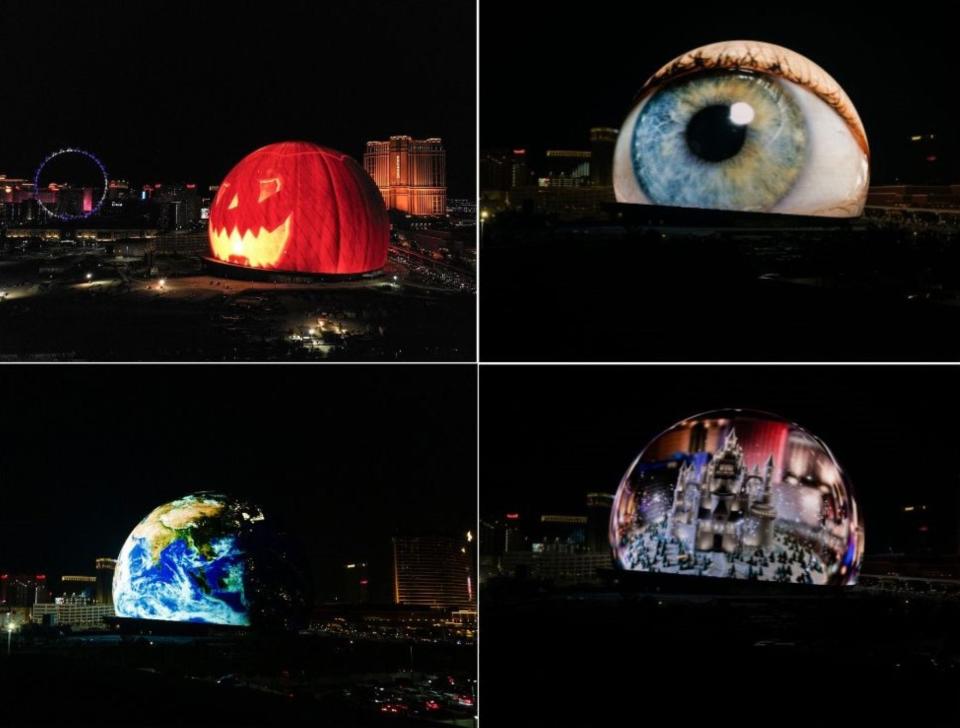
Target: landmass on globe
[184,562]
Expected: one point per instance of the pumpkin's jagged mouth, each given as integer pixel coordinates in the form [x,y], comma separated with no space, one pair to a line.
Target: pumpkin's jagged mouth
[257,250]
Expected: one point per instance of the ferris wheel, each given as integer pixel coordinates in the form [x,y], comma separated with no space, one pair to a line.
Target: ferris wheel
[78,206]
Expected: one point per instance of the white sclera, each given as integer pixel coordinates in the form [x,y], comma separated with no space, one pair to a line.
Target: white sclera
[835,178]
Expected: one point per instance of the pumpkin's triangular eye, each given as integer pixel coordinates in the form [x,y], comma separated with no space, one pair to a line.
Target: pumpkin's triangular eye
[268,188]
[234,202]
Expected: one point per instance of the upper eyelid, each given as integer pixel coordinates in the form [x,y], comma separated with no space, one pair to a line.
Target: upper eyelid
[763,58]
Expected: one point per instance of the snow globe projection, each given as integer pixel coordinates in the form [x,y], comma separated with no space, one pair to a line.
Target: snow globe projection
[211,558]
[738,494]
[745,126]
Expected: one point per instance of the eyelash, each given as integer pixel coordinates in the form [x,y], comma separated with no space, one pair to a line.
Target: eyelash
[748,63]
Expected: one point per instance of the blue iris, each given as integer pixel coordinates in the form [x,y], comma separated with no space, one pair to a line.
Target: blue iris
[690,150]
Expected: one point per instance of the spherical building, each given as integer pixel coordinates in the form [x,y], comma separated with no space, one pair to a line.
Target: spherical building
[210,558]
[740,495]
[744,126]
[299,208]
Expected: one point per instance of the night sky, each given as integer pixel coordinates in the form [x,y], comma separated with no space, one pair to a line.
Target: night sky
[549,435]
[181,91]
[344,456]
[550,71]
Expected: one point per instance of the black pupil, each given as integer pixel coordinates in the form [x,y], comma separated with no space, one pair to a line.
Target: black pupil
[712,136]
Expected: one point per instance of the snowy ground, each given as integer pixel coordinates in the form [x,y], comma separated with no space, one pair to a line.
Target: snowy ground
[656,549]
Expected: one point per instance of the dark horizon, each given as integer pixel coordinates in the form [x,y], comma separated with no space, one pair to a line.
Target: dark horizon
[343,457]
[886,426]
[896,73]
[168,92]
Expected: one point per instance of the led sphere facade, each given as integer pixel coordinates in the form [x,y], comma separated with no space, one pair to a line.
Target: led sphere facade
[300,208]
[741,495]
[210,558]
[744,126]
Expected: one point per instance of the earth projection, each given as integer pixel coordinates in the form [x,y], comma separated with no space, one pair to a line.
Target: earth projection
[206,557]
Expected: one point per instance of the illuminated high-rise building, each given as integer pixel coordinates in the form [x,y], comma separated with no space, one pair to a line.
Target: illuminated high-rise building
[411,173]
[432,571]
[105,569]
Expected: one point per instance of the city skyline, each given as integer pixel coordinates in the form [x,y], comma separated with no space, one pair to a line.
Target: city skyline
[616,420]
[155,96]
[25,177]
[79,477]
[599,84]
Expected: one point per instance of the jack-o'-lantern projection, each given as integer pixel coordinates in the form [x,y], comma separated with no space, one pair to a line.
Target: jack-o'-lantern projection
[299,207]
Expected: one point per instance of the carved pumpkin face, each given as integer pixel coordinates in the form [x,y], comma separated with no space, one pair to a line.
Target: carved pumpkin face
[298,207]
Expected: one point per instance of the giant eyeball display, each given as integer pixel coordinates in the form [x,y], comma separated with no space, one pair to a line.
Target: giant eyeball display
[747,126]
[739,495]
[299,207]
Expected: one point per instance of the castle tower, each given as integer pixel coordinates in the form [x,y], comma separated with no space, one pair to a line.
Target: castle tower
[763,514]
[679,513]
[705,517]
[724,483]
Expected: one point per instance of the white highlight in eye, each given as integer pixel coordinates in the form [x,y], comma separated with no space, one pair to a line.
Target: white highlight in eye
[741,113]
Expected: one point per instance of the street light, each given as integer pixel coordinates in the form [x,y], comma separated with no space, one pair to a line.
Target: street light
[89,276]
[483,218]
[10,629]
